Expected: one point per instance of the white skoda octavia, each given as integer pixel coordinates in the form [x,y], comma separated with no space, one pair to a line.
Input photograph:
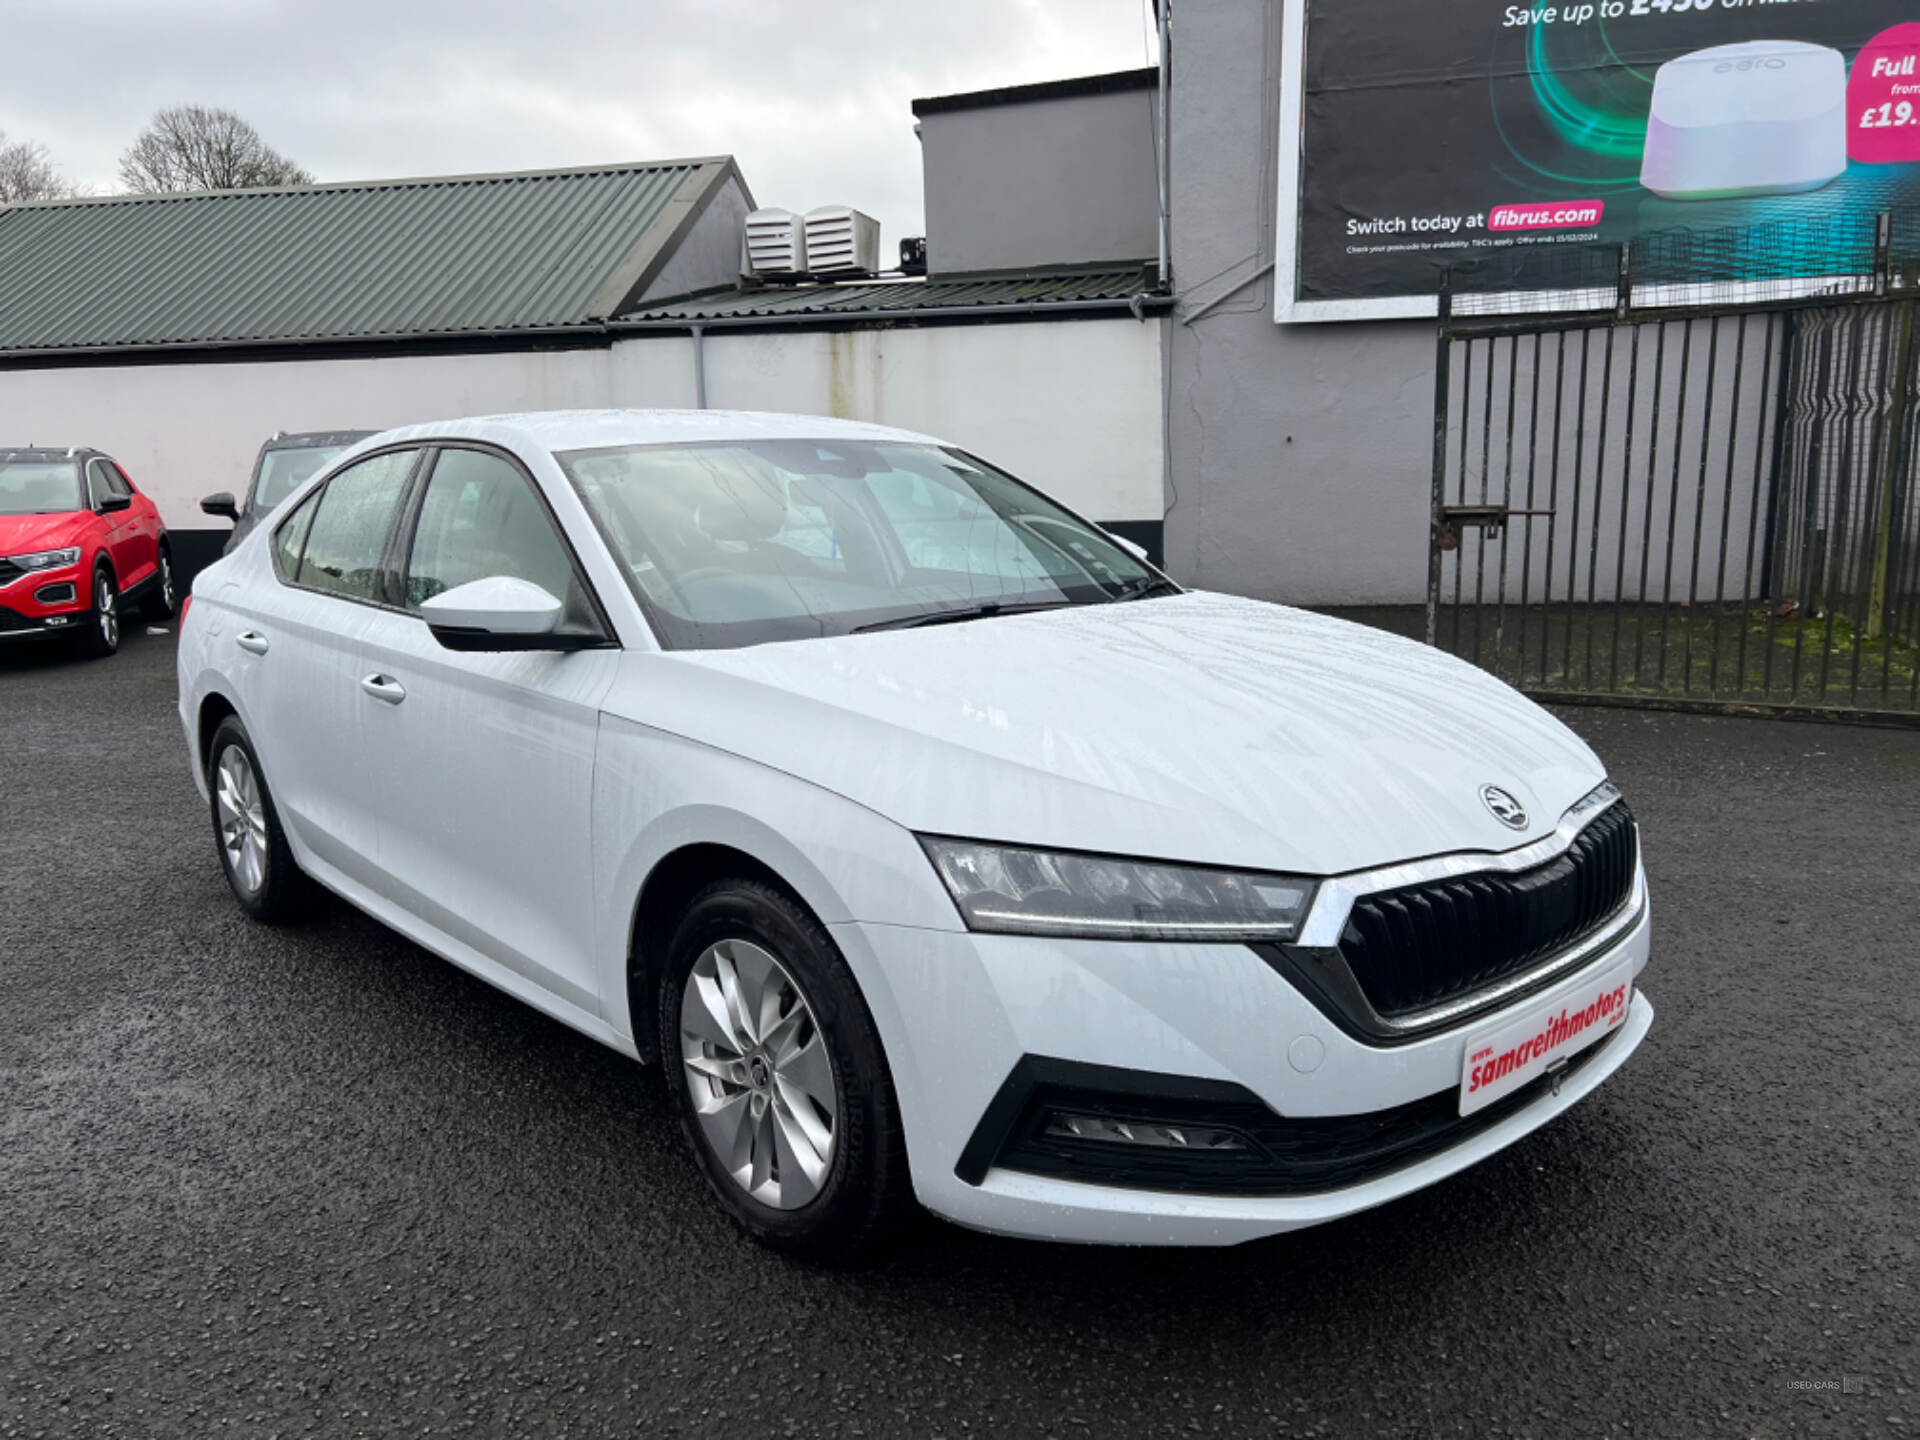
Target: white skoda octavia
[935,844]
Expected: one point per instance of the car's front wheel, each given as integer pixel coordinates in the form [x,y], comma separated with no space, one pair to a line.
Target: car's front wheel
[777,1073]
[101,637]
[253,847]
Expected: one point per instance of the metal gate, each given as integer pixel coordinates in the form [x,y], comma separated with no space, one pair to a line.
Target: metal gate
[1702,493]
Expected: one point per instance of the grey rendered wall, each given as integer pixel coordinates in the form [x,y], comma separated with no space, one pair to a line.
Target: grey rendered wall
[1299,455]
[1049,182]
[709,254]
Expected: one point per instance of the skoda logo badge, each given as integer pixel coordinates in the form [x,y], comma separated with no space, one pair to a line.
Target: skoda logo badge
[1507,810]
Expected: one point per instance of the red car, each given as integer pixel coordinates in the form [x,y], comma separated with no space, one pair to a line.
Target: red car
[77,543]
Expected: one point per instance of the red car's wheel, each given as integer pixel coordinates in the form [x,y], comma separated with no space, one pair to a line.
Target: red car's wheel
[101,637]
[162,597]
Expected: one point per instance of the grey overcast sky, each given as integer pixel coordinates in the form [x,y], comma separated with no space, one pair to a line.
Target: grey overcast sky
[812,98]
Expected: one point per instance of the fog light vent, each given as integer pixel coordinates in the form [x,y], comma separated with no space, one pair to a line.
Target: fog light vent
[61,594]
[1065,1125]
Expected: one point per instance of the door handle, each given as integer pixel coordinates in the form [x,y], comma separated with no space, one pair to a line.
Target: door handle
[384,687]
[252,641]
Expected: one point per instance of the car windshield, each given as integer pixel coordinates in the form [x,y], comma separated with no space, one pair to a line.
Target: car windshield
[39,487]
[737,543]
[283,471]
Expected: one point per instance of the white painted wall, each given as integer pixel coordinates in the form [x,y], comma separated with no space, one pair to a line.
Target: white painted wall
[184,431]
[1073,406]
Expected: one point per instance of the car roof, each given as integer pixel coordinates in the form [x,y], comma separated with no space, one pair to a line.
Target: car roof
[312,439]
[561,430]
[50,452]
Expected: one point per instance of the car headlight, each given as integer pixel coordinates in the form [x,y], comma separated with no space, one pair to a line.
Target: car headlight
[1598,798]
[47,559]
[1014,891]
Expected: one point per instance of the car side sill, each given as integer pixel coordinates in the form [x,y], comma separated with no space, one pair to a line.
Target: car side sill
[466,957]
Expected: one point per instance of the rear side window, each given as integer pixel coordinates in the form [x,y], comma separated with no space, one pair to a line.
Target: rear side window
[291,538]
[349,530]
[481,518]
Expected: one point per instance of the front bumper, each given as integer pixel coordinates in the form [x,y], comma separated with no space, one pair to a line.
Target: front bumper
[44,602]
[959,1012]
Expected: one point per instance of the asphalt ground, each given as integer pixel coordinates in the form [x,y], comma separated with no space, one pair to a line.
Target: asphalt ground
[315,1181]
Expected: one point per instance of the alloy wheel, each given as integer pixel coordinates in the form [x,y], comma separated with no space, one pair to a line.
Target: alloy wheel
[758,1072]
[106,610]
[242,819]
[166,582]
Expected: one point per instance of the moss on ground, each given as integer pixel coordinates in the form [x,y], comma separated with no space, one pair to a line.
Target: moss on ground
[1749,654]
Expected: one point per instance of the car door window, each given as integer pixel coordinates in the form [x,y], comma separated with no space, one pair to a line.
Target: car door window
[117,484]
[97,488]
[480,517]
[348,532]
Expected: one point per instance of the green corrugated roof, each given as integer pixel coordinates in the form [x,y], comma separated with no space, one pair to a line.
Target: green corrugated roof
[379,259]
[901,297]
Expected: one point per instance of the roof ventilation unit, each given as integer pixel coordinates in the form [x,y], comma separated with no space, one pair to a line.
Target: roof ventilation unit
[842,241]
[775,244]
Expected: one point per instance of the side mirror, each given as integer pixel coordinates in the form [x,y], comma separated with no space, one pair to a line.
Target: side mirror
[1132,547]
[499,613]
[222,506]
[111,503]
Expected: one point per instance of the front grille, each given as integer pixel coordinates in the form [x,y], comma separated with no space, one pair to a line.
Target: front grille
[1421,946]
[9,572]
[13,620]
[1278,1156]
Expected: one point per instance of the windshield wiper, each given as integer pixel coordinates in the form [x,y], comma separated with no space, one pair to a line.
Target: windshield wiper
[954,617]
[1143,587]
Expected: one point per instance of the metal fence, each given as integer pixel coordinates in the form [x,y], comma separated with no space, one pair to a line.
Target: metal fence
[1683,473]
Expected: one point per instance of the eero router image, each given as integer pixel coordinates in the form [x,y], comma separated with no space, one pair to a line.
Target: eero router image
[1766,117]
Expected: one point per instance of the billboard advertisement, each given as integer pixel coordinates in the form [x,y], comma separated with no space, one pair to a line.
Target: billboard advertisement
[1416,134]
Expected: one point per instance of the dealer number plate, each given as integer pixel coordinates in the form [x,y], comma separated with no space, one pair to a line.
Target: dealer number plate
[1500,1061]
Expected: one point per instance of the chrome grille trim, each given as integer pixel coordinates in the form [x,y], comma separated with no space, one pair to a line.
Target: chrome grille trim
[1625,920]
[1333,902]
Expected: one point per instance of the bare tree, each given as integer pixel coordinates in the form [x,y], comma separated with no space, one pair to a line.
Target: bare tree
[27,174]
[196,147]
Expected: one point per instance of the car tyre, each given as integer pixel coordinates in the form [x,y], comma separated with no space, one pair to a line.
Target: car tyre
[775,1069]
[101,637]
[162,598]
[247,833]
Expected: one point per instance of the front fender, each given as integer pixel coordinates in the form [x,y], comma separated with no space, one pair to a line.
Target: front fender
[655,793]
